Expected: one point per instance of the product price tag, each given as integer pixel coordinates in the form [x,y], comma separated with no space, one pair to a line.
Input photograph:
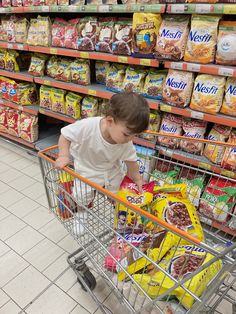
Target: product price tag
[104,8]
[204,165]
[228,173]
[166,152]
[84,54]
[226,71]
[204,8]
[53,51]
[41,110]
[193,67]
[146,62]
[177,8]
[197,115]
[20,46]
[47,82]
[229,9]
[10,46]
[122,59]
[176,65]
[21,108]
[165,108]
[92,92]
[45,8]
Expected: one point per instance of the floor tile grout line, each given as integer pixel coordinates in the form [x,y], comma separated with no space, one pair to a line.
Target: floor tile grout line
[12,301]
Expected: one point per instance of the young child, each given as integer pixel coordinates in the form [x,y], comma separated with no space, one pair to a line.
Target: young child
[99,144]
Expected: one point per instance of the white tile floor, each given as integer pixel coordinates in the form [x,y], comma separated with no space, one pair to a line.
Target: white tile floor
[34,274]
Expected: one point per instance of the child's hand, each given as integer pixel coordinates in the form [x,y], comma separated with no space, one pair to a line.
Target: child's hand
[61,162]
[139,183]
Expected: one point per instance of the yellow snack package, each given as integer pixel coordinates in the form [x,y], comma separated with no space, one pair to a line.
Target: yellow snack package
[154,124]
[134,79]
[229,158]
[80,72]
[208,93]
[73,105]
[229,102]
[201,44]
[27,94]
[3,54]
[89,107]
[115,77]
[58,100]
[45,97]
[11,61]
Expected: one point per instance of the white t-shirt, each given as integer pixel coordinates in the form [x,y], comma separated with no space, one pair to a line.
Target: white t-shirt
[95,158]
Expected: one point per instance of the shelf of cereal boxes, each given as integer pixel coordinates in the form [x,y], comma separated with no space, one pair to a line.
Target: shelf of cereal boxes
[201,8]
[195,160]
[187,112]
[17,139]
[34,109]
[93,89]
[23,75]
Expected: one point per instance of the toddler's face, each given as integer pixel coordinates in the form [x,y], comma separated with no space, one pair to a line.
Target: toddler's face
[119,133]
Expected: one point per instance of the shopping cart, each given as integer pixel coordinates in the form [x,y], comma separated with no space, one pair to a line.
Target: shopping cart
[92,226]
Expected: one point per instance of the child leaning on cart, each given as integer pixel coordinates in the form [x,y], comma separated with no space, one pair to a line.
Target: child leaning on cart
[99,145]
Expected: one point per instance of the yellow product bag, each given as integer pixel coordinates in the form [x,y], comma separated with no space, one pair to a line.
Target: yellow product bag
[180,262]
[115,77]
[73,105]
[80,72]
[229,102]
[58,100]
[201,44]
[27,94]
[208,93]
[134,79]
[11,63]
[45,97]
[89,107]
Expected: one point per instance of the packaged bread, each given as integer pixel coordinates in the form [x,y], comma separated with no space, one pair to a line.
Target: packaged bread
[13,122]
[153,85]
[145,30]
[172,37]
[122,40]
[229,102]
[45,97]
[28,127]
[218,133]
[208,93]
[226,50]
[177,88]
[170,124]
[89,107]
[80,71]
[105,32]
[134,79]
[201,43]
[87,33]
[115,77]
[101,69]
[58,100]
[193,129]
[73,105]
[229,158]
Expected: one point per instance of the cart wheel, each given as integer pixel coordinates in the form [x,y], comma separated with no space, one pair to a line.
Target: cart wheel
[89,279]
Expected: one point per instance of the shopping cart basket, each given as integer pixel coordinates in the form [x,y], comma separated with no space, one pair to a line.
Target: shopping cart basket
[89,218]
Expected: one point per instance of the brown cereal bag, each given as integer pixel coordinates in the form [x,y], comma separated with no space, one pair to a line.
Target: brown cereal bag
[208,93]
[87,33]
[201,44]
[115,77]
[63,72]
[229,103]
[105,33]
[226,51]
[134,79]
[153,85]
[52,66]
[122,41]
[89,107]
[145,30]
[178,87]
[229,158]
[80,72]
[170,124]
[101,69]
[58,100]
[73,105]
[45,97]
[28,127]
[172,37]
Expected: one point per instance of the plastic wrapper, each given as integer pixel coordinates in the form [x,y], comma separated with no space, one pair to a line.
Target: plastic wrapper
[229,102]
[154,124]
[134,79]
[71,34]
[208,93]
[58,32]
[39,33]
[3,119]
[145,161]
[165,177]
[13,122]
[172,37]
[101,69]
[28,127]
[37,65]
[62,2]
[229,158]
[122,41]
[105,33]
[63,72]
[80,72]
[11,63]
[154,82]
[3,54]
[73,105]
[52,66]
[115,77]
[103,107]
[194,189]
[226,51]
[170,124]
[87,33]
[45,97]
[89,107]
[27,94]
[21,30]
[219,133]
[9,91]
[6,3]
[58,100]
[8,25]
[201,44]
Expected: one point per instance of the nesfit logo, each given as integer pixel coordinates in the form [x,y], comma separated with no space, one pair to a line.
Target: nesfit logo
[197,38]
[193,135]
[166,33]
[167,128]
[231,90]
[200,87]
[175,84]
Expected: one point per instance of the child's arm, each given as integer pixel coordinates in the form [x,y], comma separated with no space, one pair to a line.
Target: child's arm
[133,173]
[64,153]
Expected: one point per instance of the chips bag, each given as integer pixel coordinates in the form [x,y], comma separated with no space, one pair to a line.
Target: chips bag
[225,43]
[202,38]
[89,107]
[219,133]
[179,262]
[80,72]
[229,102]
[154,84]
[28,127]
[170,124]
[73,105]
[58,100]
[208,93]
[45,97]
[37,65]
[229,158]
[101,69]
[10,91]
[115,77]
[134,79]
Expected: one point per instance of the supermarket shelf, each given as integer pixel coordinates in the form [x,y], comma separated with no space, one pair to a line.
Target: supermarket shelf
[213,69]
[29,109]
[195,160]
[201,8]
[17,139]
[93,89]
[23,75]
[56,115]
[187,112]
[7,45]
[217,225]
[143,142]
[47,141]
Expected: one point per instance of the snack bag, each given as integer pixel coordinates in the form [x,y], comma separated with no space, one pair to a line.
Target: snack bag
[194,129]
[179,262]
[122,41]
[145,29]
[21,30]
[219,133]
[28,127]
[58,100]
[8,24]
[32,38]
[37,65]
[105,33]
[63,70]
[10,93]
[201,44]
[229,158]
[71,34]
[45,97]
[154,124]
[52,66]
[3,54]
[115,77]
[153,85]
[27,94]
[73,105]
[171,124]
[177,88]
[3,119]
[134,79]
[43,31]
[218,200]
[58,33]
[208,93]
[80,72]
[194,189]
[172,37]
[101,69]
[165,177]
[87,33]
[229,102]
[103,107]
[11,61]
[225,43]
[89,107]
[63,2]
[13,122]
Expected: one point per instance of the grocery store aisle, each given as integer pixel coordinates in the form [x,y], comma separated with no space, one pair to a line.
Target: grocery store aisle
[34,274]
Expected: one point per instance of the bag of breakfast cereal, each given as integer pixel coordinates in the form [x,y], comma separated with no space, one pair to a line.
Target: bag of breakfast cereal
[80,71]
[3,119]
[101,69]
[115,77]
[153,85]
[170,124]
[226,51]
[45,97]
[229,102]
[134,79]
[122,41]
[105,33]
[58,100]
[154,124]
[87,33]
[229,158]
[89,107]
[73,105]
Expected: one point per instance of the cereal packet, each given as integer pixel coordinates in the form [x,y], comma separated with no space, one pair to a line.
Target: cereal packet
[172,37]
[21,30]
[3,119]
[3,54]
[145,29]
[101,69]
[27,94]
[43,31]
[87,33]
[45,97]
[52,66]
[194,129]
[105,33]
[226,51]
[165,177]
[177,88]
[73,105]
[89,107]
[58,100]
[32,38]
[37,65]
[134,79]
[13,122]
[11,61]
[201,44]
[145,161]
[103,107]
[80,72]
[229,158]
[122,41]
[219,133]
[28,127]
[229,102]
[8,24]
[58,32]
[170,124]
[208,93]
[115,77]
[154,124]
[10,91]
[63,72]
[71,34]
[153,85]
[194,188]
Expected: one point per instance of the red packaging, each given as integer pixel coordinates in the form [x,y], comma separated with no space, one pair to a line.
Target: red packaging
[71,34]
[16,3]
[27,3]
[58,33]
[11,91]
[3,119]
[6,3]
[229,158]
[13,122]
[28,127]
[50,2]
